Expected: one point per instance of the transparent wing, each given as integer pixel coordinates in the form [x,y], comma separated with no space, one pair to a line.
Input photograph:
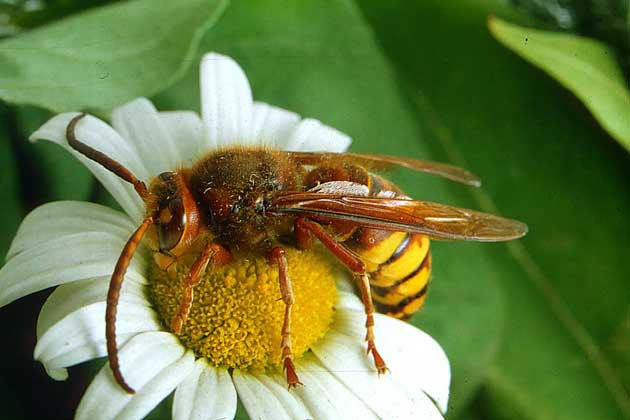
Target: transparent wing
[398,214]
[381,162]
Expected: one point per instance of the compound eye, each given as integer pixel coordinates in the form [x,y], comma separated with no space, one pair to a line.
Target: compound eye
[166,176]
[170,224]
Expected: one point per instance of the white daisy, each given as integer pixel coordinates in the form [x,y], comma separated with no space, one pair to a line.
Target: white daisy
[75,245]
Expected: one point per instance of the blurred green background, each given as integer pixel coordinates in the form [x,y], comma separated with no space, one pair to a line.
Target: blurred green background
[534,329]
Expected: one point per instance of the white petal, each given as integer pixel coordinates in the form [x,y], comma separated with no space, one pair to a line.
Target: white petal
[270,125]
[226,100]
[348,300]
[63,260]
[313,136]
[324,395]
[60,374]
[139,123]
[345,357]
[414,358]
[100,136]
[207,393]
[186,129]
[61,218]
[159,388]
[265,398]
[80,336]
[152,363]
[70,297]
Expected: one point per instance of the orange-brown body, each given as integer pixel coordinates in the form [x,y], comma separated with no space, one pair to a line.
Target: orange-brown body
[264,200]
[228,191]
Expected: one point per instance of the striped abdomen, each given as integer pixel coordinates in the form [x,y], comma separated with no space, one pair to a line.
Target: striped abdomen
[399,263]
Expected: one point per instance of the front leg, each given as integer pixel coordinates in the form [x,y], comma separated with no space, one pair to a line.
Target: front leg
[277,257]
[307,227]
[212,253]
[166,263]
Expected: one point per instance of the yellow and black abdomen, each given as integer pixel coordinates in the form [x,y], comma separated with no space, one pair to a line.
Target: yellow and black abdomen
[399,263]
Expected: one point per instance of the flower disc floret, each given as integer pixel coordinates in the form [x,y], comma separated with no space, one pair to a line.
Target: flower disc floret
[236,317]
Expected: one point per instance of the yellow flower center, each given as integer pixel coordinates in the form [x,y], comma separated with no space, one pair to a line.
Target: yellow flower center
[236,317]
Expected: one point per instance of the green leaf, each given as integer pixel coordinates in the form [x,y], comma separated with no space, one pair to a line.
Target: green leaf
[618,347]
[54,174]
[606,20]
[163,410]
[10,203]
[541,162]
[241,414]
[23,15]
[584,66]
[323,62]
[106,56]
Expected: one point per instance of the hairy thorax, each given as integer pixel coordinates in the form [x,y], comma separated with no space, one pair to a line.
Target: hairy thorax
[231,186]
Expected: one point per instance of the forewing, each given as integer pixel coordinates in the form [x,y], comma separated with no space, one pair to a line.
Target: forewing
[396,214]
[381,162]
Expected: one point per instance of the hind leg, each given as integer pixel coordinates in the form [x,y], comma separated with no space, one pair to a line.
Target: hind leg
[305,228]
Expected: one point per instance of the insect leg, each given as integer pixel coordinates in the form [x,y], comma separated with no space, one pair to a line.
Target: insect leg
[277,256]
[303,236]
[212,253]
[366,297]
[101,158]
[112,301]
[354,264]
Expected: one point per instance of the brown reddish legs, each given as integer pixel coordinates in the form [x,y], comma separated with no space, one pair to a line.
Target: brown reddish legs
[214,254]
[304,228]
[277,257]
